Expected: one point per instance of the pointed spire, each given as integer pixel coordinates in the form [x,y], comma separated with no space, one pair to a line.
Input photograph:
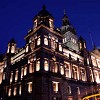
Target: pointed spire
[64,12]
[44,7]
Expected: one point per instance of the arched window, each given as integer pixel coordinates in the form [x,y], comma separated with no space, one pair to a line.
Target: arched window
[75,75]
[62,70]
[45,40]
[54,67]
[46,65]
[11,77]
[60,47]
[38,41]
[67,70]
[29,87]
[31,67]
[9,92]
[15,91]
[16,75]
[37,65]
[82,74]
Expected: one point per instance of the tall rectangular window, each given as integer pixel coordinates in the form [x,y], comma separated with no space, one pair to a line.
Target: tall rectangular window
[69,90]
[31,67]
[60,47]
[20,90]
[55,86]
[16,75]
[38,41]
[62,70]
[46,65]
[15,91]
[22,70]
[4,76]
[9,92]
[11,77]
[29,87]
[45,40]
[37,65]
[25,70]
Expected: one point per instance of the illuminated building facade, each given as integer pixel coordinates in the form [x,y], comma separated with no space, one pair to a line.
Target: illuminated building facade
[54,64]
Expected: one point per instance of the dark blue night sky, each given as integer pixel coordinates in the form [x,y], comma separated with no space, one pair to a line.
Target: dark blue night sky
[16,18]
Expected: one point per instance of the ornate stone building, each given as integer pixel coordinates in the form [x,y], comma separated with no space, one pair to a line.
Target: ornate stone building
[53,65]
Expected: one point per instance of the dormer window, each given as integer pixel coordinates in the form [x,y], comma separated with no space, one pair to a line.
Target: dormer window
[35,23]
[51,23]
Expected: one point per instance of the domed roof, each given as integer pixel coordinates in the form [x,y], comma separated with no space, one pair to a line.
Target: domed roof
[44,13]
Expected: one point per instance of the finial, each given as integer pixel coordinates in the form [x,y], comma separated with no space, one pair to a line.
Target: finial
[64,12]
[44,7]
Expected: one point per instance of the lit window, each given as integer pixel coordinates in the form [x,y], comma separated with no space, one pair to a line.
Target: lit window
[9,92]
[13,49]
[94,61]
[29,87]
[60,47]
[51,23]
[62,70]
[31,68]
[27,48]
[84,45]
[45,41]
[46,66]
[22,73]
[37,65]
[75,76]
[54,67]
[55,86]
[80,45]
[69,90]
[35,23]
[82,75]
[78,90]
[53,44]
[11,77]
[91,76]
[25,71]
[38,41]
[98,62]
[66,70]
[8,49]
[20,88]
[96,74]
[4,76]
[32,45]
[15,91]
[16,75]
